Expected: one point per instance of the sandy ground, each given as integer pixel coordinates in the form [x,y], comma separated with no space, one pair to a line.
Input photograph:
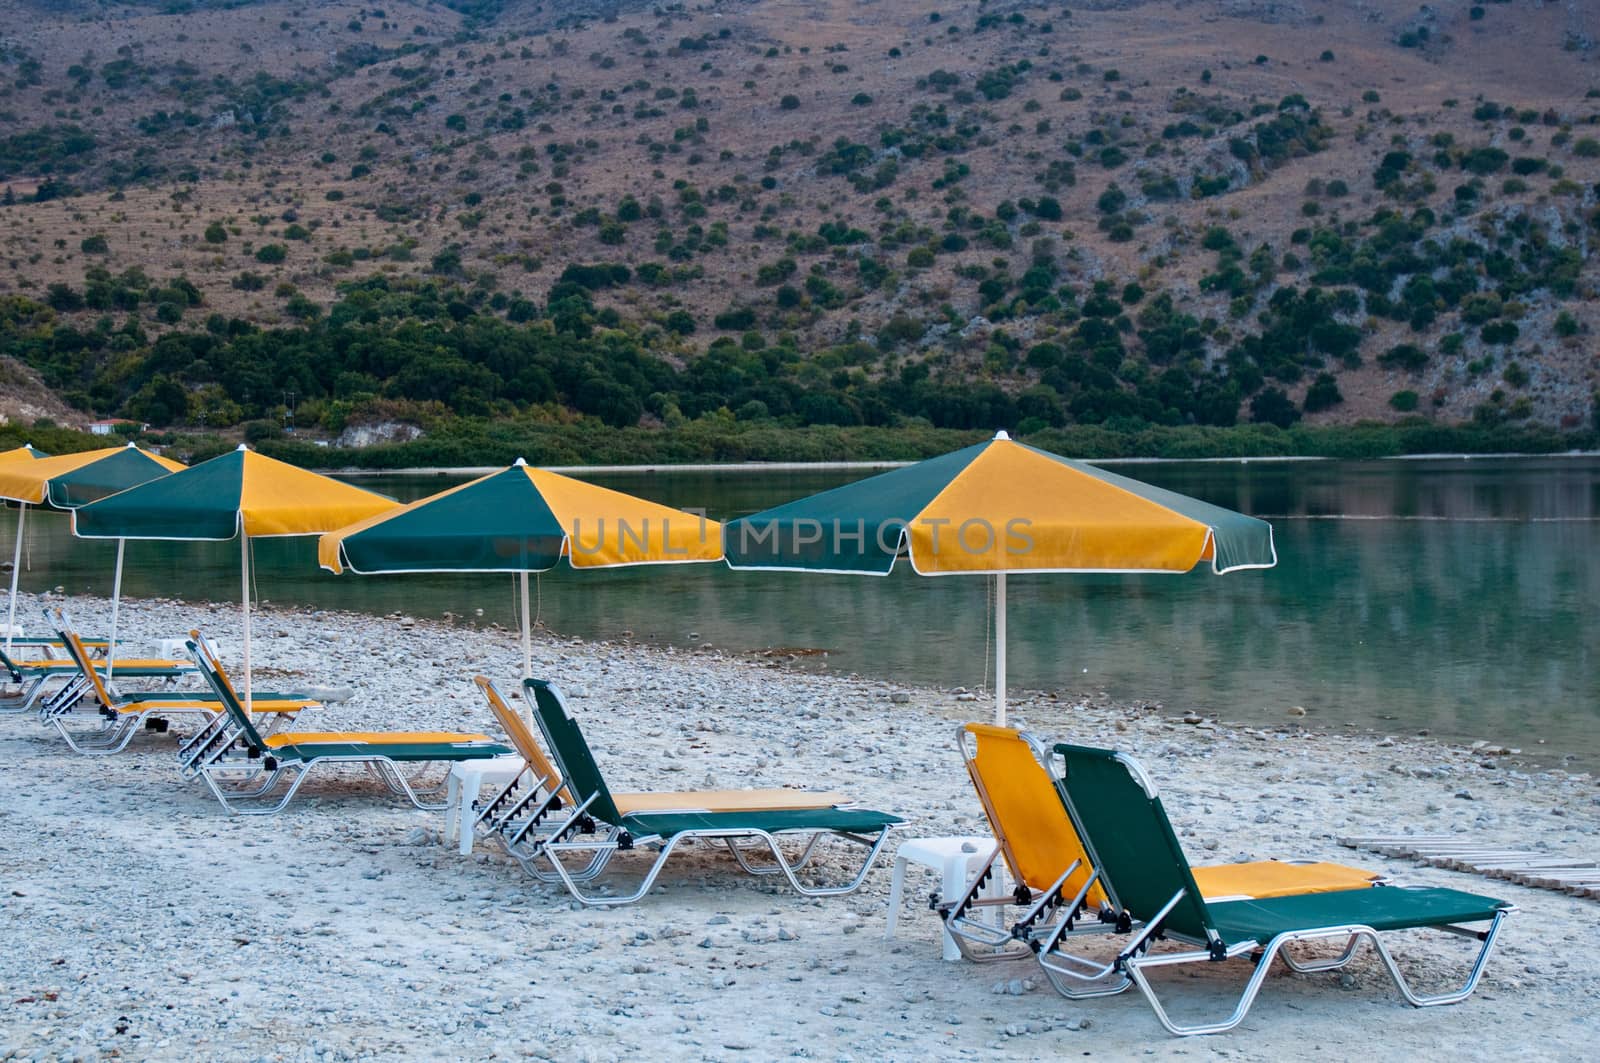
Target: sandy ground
[139,920]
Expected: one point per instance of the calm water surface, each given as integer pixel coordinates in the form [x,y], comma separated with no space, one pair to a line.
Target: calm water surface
[1454,595]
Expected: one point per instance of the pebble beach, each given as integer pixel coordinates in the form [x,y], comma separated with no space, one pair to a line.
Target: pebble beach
[142,921]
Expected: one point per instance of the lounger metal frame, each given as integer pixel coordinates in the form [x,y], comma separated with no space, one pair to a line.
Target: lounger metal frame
[613,839]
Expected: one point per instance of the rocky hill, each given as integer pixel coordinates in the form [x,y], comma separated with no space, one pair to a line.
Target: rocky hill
[805,211]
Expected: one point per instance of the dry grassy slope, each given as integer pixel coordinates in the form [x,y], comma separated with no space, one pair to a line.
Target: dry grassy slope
[24,400]
[1525,53]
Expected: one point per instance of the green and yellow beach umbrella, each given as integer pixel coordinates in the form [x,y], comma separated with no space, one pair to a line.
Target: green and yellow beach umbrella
[25,452]
[240,493]
[68,481]
[521,520]
[997,508]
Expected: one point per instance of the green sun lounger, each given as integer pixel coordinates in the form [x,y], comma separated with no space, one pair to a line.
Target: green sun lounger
[234,745]
[601,823]
[1142,869]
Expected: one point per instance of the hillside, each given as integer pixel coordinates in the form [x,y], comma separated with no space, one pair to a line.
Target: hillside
[824,212]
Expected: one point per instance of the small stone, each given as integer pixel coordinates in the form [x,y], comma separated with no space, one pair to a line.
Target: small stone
[1297,710]
[900,697]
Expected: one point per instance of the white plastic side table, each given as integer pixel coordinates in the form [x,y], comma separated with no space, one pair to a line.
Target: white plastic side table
[465,783]
[956,859]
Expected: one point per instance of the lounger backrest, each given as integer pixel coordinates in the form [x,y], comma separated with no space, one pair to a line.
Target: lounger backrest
[73,643]
[1129,838]
[578,768]
[11,667]
[205,655]
[1029,822]
[522,739]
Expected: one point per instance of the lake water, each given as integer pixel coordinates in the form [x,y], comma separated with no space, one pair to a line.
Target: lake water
[1456,595]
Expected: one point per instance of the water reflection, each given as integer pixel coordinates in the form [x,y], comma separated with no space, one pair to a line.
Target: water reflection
[1453,595]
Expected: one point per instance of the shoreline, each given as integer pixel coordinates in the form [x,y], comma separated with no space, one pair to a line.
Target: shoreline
[346,921]
[856,466]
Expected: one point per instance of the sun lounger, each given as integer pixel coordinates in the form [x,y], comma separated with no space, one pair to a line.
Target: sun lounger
[34,676]
[49,647]
[1035,838]
[1138,862]
[234,745]
[518,816]
[124,714]
[601,823]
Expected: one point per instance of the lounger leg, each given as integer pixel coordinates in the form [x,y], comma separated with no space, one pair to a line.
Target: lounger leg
[99,742]
[27,693]
[1135,966]
[243,805]
[391,774]
[599,901]
[1453,996]
[969,935]
[1073,976]
[799,862]
[875,847]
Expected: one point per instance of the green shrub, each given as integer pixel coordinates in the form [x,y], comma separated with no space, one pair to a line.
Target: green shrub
[1404,401]
[1323,393]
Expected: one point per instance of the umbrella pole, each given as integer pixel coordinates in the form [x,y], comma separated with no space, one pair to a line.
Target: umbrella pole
[244,586]
[16,570]
[1000,649]
[527,633]
[527,638]
[116,605]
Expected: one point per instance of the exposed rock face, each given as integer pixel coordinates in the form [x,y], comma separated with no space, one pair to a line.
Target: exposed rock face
[366,435]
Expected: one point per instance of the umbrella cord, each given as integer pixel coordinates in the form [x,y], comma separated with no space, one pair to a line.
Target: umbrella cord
[255,590]
[538,600]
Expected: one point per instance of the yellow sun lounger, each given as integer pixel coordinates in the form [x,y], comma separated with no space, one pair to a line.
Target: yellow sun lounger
[514,816]
[1035,836]
[124,714]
